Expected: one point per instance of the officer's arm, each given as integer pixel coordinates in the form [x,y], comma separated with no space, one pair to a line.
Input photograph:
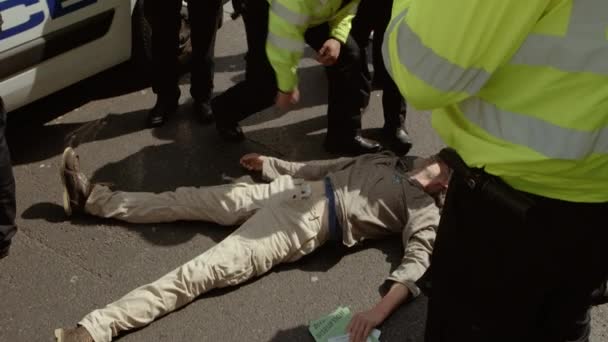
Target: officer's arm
[341,23]
[440,52]
[285,42]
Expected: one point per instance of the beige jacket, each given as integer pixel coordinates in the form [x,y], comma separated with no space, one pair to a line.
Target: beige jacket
[375,197]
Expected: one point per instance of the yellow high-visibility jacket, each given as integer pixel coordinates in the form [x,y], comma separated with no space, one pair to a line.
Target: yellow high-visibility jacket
[519,87]
[288,21]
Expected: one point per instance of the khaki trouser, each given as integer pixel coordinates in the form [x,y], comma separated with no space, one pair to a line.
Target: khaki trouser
[281,222]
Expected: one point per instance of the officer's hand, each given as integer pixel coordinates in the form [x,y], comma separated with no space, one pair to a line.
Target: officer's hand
[252,162]
[286,100]
[362,324]
[329,52]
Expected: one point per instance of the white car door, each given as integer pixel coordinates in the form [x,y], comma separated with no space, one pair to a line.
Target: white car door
[46,45]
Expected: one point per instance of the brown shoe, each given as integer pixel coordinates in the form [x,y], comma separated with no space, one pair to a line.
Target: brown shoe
[76,186]
[79,334]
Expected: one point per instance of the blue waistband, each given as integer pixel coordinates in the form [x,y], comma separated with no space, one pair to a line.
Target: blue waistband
[335,231]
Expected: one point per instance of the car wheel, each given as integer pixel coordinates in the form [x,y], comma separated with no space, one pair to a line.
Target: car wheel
[142,38]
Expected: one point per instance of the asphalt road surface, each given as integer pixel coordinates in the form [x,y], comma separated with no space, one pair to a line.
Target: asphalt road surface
[60,269]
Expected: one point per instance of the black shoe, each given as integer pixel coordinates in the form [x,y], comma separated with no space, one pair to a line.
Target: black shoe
[76,186]
[356,145]
[202,110]
[158,115]
[230,132]
[399,141]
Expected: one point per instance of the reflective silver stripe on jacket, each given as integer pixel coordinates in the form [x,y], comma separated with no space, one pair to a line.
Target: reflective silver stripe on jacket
[584,48]
[285,43]
[553,141]
[385,42]
[431,68]
[566,54]
[288,15]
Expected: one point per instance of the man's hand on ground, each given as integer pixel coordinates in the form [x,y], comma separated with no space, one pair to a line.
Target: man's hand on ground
[285,100]
[329,52]
[362,324]
[252,162]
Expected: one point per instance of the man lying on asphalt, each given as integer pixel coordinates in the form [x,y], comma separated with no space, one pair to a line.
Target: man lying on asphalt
[305,205]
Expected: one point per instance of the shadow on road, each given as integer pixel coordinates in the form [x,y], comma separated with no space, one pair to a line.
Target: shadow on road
[296,334]
[231,63]
[36,143]
[50,212]
[312,85]
[406,324]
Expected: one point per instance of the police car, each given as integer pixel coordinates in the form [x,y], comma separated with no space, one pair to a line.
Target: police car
[47,45]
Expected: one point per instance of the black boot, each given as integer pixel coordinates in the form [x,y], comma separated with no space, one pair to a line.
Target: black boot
[398,139]
[165,106]
[202,110]
[230,132]
[226,117]
[351,146]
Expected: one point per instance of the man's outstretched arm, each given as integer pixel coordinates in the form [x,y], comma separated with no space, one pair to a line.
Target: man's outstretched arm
[272,168]
[362,324]
[418,241]
[414,264]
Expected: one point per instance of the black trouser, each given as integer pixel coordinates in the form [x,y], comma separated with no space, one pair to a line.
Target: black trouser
[375,15]
[258,90]
[345,92]
[7,187]
[600,295]
[499,276]
[166,23]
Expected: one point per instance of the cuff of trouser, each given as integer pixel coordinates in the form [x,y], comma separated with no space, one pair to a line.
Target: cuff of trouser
[97,333]
[92,204]
[414,289]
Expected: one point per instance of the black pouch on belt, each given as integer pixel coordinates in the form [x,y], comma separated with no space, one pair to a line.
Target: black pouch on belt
[491,187]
